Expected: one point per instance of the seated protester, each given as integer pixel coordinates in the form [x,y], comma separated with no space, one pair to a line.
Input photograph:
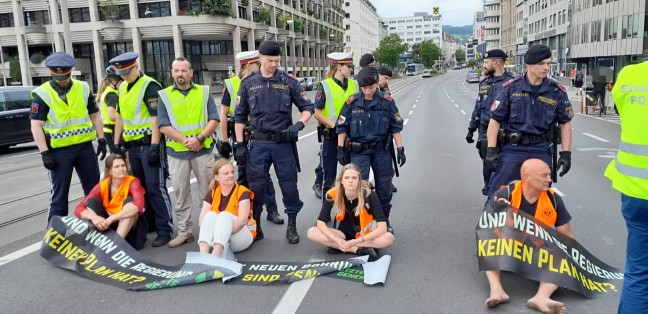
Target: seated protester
[529,194]
[117,202]
[226,216]
[363,226]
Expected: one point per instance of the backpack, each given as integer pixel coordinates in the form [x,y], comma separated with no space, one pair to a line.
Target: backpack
[579,77]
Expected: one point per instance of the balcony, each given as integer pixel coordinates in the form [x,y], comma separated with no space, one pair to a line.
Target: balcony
[492,25]
[491,13]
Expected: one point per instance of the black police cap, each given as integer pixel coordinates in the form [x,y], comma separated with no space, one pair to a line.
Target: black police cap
[366,59]
[270,48]
[495,54]
[385,71]
[536,54]
[368,76]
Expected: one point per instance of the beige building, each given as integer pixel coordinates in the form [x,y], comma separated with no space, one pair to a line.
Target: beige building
[95,31]
[508,27]
[492,9]
[363,28]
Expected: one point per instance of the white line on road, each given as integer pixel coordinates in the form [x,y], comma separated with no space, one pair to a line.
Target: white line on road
[23,155]
[307,135]
[414,107]
[294,295]
[405,122]
[451,100]
[417,100]
[607,156]
[411,112]
[456,105]
[463,112]
[596,137]
[20,253]
[558,191]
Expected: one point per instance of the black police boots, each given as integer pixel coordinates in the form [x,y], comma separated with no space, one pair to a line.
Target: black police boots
[291,233]
[259,232]
[275,218]
[317,187]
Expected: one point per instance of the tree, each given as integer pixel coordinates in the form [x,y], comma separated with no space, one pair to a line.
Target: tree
[428,53]
[110,10]
[460,55]
[389,50]
[263,16]
[472,63]
[14,70]
[218,7]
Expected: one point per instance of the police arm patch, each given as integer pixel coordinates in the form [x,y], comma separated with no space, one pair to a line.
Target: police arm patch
[34,107]
[318,96]
[508,82]
[388,97]
[398,118]
[350,100]
[153,103]
[341,119]
[495,105]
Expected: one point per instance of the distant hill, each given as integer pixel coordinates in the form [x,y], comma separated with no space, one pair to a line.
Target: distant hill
[458,31]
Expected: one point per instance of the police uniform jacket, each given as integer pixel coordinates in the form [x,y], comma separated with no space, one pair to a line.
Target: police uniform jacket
[489,88]
[369,121]
[519,109]
[268,101]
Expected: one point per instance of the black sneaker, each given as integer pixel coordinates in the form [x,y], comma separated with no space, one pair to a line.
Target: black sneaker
[318,190]
[373,255]
[389,228]
[161,240]
[394,189]
[275,218]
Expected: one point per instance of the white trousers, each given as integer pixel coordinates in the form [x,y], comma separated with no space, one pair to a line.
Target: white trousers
[217,228]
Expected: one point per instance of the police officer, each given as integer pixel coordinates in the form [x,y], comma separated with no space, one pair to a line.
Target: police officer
[64,122]
[384,76]
[108,98]
[367,60]
[489,88]
[249,62]
[266,97]
[629,175]
[137,120]
[526,108]
[331,96]
[187,117]
[366,126]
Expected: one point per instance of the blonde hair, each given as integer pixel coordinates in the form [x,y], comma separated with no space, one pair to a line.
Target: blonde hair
[363,191]
[220,163]
[103,85]
[331,70]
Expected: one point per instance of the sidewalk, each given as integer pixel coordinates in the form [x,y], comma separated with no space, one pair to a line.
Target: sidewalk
[576,101]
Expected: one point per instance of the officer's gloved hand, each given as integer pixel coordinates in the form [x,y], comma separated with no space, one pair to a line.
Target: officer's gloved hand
[240,153]
[224,149]
[565,162]
[400,157]
[119,150]
[469,136]
[292,132]
[112,148]
[492,157]
[48,160]
[154,155]
[343,156]
[101,148]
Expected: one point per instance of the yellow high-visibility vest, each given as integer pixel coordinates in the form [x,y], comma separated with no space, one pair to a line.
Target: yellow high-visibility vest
[188,114]
[232,84]
[137,120]
[336,97]
[104,109]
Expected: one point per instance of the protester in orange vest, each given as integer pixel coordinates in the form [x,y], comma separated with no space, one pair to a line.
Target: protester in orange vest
[117,203]
[529,194]
[362,223]
[226,216]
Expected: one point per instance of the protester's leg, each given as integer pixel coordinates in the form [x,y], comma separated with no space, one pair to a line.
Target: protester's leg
[222,232]
[241,240]
[497,293]
[206,235]
[318,237]
[542,301]
[125,225]
[383,241]
[634,297]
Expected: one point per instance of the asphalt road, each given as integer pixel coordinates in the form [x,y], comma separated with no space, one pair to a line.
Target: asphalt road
[434,268]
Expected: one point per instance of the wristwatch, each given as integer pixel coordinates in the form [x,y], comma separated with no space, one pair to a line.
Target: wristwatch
[200,138]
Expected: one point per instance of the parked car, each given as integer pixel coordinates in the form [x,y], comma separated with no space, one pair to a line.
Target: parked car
[15,127]
[426,73]
[472,78]
[309,83]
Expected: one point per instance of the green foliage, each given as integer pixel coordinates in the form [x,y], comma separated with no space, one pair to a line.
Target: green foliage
[298,25]
[218,7]
[14,70]
[460,55]
[282,20]
[389,50]
[471,63]
[310,12]
[263,16]
[426,52]
[245,2]
[109,10]
[323,32]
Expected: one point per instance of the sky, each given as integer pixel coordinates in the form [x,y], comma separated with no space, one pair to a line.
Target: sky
[453,12]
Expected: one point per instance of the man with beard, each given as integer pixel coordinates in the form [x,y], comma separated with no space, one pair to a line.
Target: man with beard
[489,88]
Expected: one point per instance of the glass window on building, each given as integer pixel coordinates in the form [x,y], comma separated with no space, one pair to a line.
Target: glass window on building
[37,17]
[610,29]
[585,33]
[596,31]
[154,9]
[111,50]
[79,15]
[158,56]
[123,13]
[189,6]
[7,20]
[646,26]
[635,25]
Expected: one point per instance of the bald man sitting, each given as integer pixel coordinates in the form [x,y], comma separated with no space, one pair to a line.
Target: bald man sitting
[531,192]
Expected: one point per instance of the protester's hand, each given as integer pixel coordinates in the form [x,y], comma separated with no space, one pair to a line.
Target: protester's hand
[400,156]
[292,132]
[343,156]
[469,136]
[501,200]
[224,149]
[492,158]
[100,223]
[240,153]
[154,155]
[101,148]
[342,244]
[48,160]
[565,162]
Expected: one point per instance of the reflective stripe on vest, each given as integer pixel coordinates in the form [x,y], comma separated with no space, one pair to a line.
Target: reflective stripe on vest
[137,120]
[116,203]
[104,109]
[67,123]
[232,84]
[366,220]
[545,211]
[233,204]
[336,97]
[188,114]
[629,170]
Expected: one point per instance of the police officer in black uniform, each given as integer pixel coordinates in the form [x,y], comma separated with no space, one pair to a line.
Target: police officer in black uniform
[526,109]
[266,96]
[489,88]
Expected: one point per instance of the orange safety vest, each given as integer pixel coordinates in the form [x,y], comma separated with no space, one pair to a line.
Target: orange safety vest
[233,204]
[116,203]
[366,219]
[545,209]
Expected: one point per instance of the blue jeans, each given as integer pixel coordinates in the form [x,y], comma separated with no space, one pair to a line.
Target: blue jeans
[634,297]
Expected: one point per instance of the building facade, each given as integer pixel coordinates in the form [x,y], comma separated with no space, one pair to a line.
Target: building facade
[95,31]
[548,24]
[492,10]
[608,33]
[362,28]
[508,27]
[479,27]
[415,29]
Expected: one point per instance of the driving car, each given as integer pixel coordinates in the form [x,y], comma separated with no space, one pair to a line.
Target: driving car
[309,83]
[472,78]
[15,103]
[426,73]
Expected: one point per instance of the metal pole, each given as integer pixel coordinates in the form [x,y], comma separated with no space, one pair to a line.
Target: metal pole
[4,77]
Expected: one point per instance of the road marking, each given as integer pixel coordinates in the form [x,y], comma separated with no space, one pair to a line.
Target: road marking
[20,253]
[411,112]
[558,192]
[463,112]
[405,122]
[414,106]
[607,156]
[417,100]
[451,100]
[598,118]
[596,137]
[470,90]
[307,135]
[23,155]
[294,296]
[456,105]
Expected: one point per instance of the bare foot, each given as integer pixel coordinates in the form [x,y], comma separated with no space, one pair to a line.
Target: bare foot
[546,305]
[496,299]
